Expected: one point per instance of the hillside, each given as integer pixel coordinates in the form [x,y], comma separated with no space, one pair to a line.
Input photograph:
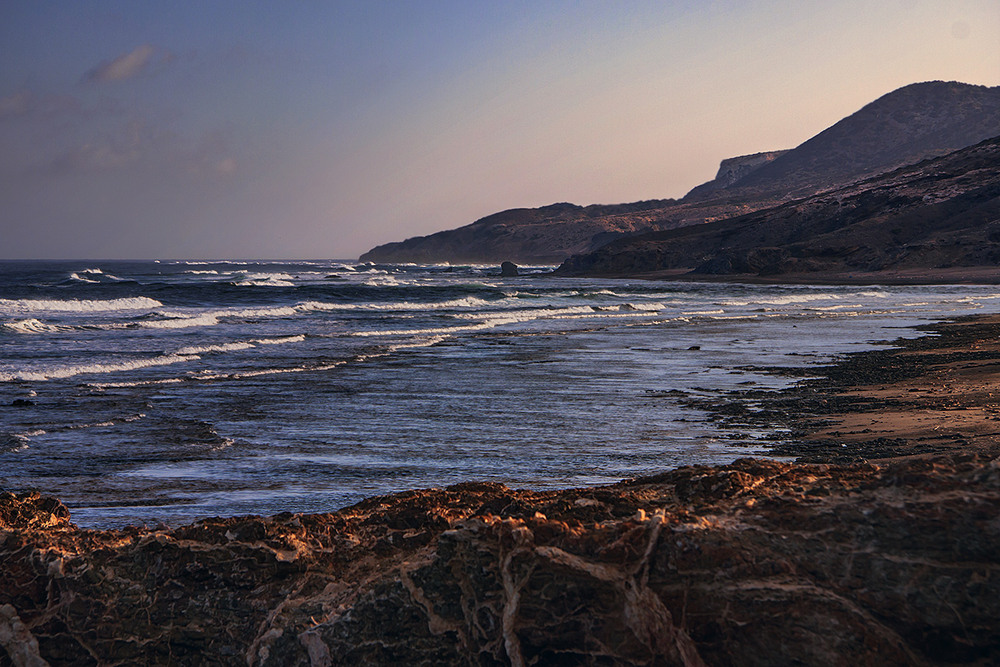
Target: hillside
[937,214]
[907,125]
[910,124]
[549,234]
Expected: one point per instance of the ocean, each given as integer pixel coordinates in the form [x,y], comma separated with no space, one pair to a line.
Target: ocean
[167,391]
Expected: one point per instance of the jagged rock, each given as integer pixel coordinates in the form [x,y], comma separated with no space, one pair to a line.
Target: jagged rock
[732,170]
[508,270]
[758,562]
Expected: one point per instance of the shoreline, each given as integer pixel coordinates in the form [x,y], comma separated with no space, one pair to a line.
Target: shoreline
[936,393]
[898,491]
[959,275]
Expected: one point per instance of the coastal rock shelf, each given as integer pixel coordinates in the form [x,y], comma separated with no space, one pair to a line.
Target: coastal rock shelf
[758,562]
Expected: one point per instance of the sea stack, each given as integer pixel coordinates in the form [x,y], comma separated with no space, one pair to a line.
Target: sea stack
[508,270]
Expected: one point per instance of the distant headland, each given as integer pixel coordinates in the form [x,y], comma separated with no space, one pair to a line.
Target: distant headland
[910,125]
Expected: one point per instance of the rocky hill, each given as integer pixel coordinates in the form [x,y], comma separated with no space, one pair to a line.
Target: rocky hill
[907,125]
[935,215]
[910,124]
[549,234]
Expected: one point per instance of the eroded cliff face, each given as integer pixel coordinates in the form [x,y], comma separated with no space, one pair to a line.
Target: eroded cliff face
[732,170]
[754,563]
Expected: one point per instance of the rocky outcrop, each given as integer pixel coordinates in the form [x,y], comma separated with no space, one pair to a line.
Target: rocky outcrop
[754,563]
[732,170]
[937,214]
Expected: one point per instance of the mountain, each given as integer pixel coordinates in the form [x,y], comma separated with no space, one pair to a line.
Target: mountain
[912,123]
[935,215]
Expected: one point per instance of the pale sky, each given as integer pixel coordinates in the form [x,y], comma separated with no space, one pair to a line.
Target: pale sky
[250,129]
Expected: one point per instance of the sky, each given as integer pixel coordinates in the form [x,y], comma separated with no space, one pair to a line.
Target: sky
[244,129]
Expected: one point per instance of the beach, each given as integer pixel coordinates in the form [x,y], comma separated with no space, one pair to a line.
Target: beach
[934,394]
[167,392]
[881,549]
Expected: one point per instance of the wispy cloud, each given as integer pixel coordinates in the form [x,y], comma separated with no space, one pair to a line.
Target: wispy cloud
[128,65]
[25,103]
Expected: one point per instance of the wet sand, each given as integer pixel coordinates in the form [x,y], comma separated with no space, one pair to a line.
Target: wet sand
[937,393]
[957,275]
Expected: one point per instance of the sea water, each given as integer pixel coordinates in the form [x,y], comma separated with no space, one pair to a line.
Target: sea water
[144,392]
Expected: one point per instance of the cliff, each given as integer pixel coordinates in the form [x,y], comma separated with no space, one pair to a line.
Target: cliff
[754,563]
[731,171]
[932,216]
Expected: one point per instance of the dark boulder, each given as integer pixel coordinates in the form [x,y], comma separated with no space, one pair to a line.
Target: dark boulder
[508,270]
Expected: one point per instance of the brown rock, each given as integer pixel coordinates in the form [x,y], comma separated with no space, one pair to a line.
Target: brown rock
[754,563]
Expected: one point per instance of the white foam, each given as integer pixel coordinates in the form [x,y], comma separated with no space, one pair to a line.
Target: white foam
[239,345]
[59,372]
[837,307]
[280,341]
[488,324]
[651,307]
[180,320]
[32,326]
[208,349]
[19,306]
[94,276]
[13,442]
[465,302]
[789,300]
[174,321]
[265,280]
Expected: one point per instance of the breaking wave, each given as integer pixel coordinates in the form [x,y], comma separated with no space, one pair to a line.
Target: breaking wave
[18,306]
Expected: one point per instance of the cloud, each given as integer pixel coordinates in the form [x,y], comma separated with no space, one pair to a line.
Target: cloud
[128,65]
[25,103]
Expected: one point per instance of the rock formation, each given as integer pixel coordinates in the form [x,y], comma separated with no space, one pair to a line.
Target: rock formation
[731,171]
[754,563]
[508,270]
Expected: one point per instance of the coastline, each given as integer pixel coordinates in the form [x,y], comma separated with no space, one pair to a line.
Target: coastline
[937,393]
[887,532]
[959,275]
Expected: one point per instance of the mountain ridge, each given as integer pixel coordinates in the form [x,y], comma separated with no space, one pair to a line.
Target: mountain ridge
[904,126]
[937,214]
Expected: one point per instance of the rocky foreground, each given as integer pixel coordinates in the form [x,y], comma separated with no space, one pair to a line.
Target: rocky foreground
[867,561]
[756,563]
